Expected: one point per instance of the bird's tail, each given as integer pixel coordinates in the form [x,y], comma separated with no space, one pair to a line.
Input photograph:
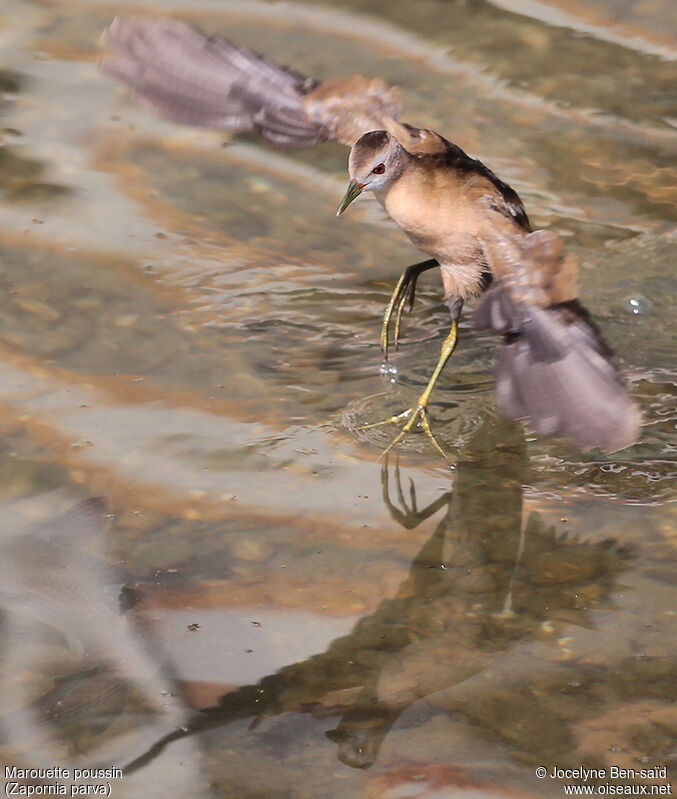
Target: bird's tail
[554,370]
[210,82]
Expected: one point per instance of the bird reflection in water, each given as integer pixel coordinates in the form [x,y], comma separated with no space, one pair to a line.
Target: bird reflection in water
[486,581]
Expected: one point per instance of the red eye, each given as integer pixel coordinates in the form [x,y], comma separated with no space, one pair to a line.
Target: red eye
[379,169]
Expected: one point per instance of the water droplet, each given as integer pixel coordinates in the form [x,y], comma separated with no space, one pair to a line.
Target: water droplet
[638,304]
[388,371]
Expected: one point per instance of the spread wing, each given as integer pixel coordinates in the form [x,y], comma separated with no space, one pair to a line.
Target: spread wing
[553,367]
[209,82]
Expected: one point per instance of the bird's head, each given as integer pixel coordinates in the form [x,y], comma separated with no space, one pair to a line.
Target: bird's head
[376,160]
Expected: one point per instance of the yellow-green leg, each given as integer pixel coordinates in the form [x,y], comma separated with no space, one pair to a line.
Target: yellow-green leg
[405,289]
[420,409]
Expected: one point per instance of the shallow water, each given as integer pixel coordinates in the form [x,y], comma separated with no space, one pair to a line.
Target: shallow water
[187,330]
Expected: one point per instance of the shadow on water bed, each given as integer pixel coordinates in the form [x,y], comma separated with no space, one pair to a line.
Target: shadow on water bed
[186,329]
[509,642]
[478,588]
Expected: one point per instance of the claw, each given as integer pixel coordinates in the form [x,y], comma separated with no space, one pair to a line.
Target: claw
[405,288]
[419,411]
[408,292]
[400,288]
[391,420]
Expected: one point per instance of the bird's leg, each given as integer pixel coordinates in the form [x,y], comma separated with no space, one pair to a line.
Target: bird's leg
[405,288]
[420,409]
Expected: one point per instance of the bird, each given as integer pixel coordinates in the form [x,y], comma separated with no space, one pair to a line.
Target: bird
[553,368]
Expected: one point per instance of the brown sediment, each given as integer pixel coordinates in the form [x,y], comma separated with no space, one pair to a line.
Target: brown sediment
[127,269]
[325,596]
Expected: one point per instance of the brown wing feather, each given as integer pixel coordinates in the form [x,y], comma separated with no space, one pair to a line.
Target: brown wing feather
[535,267]
[347,108]
[209,82]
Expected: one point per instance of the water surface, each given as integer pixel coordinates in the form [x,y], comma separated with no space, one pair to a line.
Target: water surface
[188,331]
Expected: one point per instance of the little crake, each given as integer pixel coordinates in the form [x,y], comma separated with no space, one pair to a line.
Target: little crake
[553,368]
